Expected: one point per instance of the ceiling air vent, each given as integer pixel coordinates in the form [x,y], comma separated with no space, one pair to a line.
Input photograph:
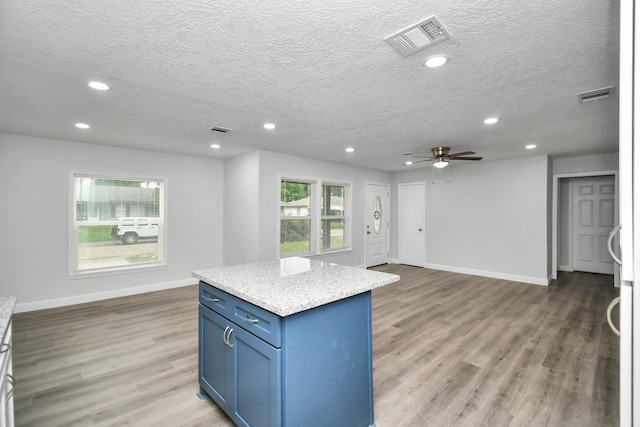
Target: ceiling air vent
[221,129]
[418,36]
[595,95]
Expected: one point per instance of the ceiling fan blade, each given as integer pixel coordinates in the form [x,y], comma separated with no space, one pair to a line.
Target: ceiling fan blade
[466,158]
[424,156]
[463,153]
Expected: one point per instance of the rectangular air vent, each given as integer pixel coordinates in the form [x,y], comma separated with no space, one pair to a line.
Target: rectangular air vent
[221,129]
[418,36]
[595,95]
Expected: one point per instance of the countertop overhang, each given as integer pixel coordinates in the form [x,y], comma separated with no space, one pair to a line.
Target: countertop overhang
[292,285]
[7,305]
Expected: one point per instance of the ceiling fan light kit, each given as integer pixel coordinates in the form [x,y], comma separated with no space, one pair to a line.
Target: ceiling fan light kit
[441,157]
[440,164]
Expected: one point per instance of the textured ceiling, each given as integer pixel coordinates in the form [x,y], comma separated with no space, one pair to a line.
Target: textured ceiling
[318,69]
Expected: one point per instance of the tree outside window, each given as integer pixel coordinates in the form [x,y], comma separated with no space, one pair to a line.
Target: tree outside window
[309,225]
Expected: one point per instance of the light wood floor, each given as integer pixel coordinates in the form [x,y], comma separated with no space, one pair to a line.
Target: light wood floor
[449,349]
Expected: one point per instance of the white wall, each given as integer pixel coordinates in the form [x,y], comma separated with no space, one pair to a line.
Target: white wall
[590,163]
[34,195]
[241,208]
[273,166]
[490,219]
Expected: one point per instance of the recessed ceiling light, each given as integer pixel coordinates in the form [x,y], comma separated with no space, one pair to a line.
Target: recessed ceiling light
[436,61]
[215,146]
[490,121]
[82,126]
[98,85]
[530,146]
[349,150]
[408,163]
[269,126]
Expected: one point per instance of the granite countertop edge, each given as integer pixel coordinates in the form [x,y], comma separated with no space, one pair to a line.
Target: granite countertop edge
[7,305]
[277,298]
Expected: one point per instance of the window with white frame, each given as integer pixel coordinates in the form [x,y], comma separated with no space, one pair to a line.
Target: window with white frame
[313,217]
[117,223]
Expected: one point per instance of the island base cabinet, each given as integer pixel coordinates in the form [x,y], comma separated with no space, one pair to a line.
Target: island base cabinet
[7,385]
[321,375]
[239,371]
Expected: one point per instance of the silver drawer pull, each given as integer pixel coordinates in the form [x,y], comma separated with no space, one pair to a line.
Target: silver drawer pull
[212,299]
[250,320]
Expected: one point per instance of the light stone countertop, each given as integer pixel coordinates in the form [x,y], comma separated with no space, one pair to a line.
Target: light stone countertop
[7,305]
[292,285]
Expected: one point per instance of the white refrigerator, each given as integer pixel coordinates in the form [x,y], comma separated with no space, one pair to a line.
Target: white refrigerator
[629,239]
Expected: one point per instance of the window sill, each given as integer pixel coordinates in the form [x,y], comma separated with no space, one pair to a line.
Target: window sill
[99,272]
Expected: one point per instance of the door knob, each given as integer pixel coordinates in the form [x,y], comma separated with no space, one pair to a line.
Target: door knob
[368,232]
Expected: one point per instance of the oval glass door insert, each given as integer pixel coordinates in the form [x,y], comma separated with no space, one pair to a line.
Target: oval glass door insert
[377,215]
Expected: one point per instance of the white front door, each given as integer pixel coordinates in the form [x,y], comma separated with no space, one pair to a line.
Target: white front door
[376,213]
[594,218]
[411,240]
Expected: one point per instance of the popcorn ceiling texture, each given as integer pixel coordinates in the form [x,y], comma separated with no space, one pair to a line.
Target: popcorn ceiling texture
[319,69]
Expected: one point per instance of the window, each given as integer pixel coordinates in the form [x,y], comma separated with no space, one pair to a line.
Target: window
[295,218]
[117,223]
[313,217]
[333,216]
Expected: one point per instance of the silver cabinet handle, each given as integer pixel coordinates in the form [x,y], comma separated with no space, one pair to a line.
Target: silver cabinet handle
[212,299]
[224,335]
[610,249]
[229,343]
[611,325]
[250,320]
[11,380]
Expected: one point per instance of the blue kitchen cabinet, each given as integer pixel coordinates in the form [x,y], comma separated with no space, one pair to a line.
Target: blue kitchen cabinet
[311,368]
[239,371]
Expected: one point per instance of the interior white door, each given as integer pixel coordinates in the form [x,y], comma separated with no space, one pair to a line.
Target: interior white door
[411,240]
[594,218]
[377,224]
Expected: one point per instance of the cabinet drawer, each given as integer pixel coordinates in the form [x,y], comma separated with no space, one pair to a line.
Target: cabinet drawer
[217,300]
[256,320]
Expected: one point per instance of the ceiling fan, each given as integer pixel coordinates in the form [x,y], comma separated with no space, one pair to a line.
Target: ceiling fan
[441,157]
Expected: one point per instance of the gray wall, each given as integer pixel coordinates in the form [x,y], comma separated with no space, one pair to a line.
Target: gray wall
[490,219]
[271,167]
[591,163]
[241,208]
[35,201]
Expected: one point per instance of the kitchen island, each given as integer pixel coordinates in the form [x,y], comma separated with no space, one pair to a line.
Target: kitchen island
[7,383]
[288,343]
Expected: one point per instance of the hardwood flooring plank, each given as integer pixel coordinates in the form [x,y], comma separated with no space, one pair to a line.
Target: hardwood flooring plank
[449,350]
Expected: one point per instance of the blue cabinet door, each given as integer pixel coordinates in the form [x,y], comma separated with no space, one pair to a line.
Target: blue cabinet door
[239,371]
[257,380]
[216,379]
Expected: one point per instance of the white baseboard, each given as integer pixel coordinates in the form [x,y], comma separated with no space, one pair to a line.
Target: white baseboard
[491,274]
[99,296]
[565,268]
